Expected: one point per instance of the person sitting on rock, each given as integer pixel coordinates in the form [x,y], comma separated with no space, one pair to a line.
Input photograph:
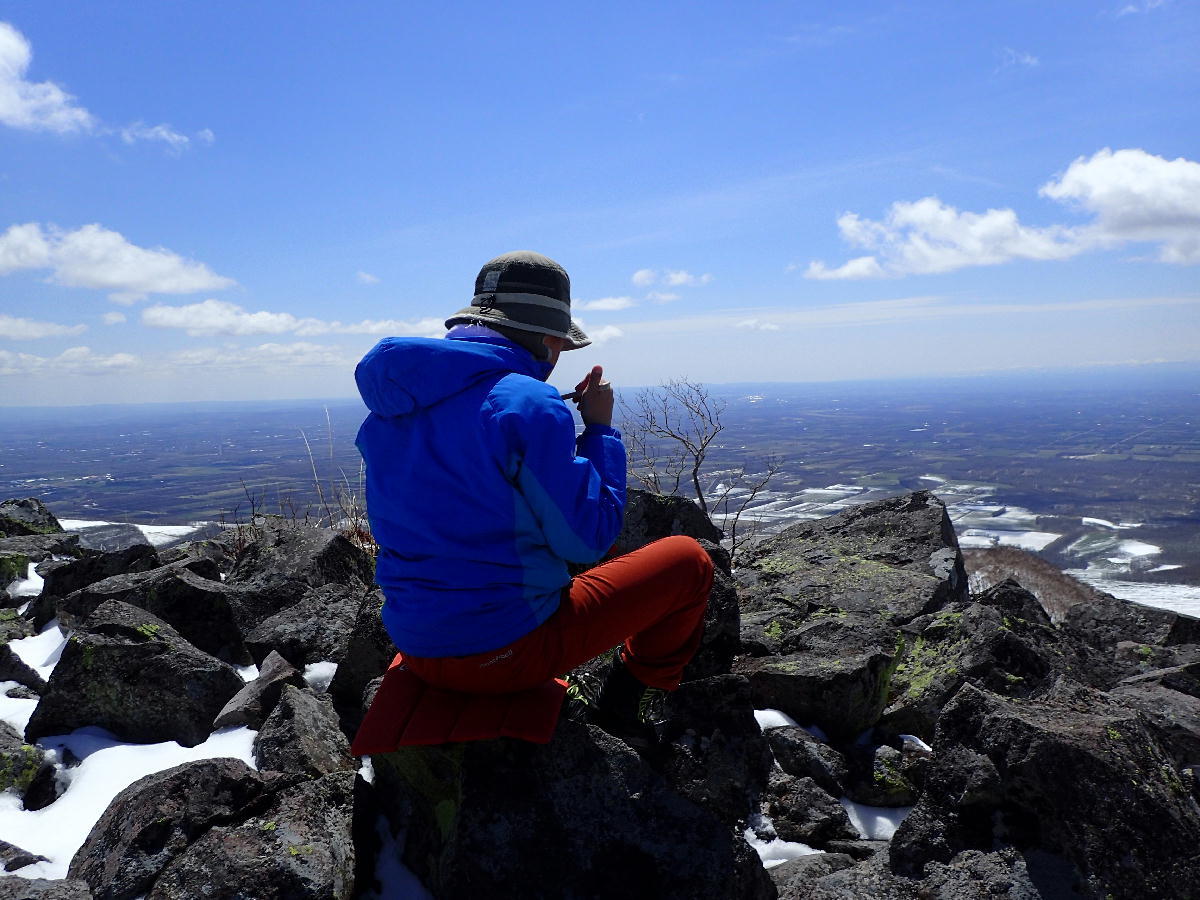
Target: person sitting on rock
[479,494]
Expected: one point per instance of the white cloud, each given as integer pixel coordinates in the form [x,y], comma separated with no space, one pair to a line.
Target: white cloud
[662,296]
[206,136]
[139,131]
[34,106]
[604,334]
[75,361]
[212,317]
[888,312]
[859,267]
[218,317]
[272,356]
[23,247]
[44,106]
[96,257]
[669,277]
[367,278]
[1133,195]
[1137,196]
[1143,6]
[1010,58]
[680,277]
[606,304]
[113,318]
[757,325]
[18,329]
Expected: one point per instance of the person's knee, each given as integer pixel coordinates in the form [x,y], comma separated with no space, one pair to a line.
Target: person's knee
[693,558]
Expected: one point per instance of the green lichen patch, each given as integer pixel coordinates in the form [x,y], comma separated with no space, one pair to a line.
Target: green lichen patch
[924,663]
[148,630]
[13,566]
[18,767]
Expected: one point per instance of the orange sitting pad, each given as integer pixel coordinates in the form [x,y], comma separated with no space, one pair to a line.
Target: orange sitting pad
[407,711]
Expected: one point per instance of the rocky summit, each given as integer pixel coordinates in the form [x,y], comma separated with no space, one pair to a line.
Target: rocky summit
[1022,754]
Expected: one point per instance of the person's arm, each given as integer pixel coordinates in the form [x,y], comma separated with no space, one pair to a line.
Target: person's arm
[576,490]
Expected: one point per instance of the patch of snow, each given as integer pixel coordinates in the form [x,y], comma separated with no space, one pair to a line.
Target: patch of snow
[936,479]
[875,823]
[319,674]
[1103,523]
[1138,548]
[29,586]
[158,535]
[1180,598]
[248,673]
[367,770]
[911,740]
[108,767]
[24,607]
[41,652]
[1166,568]
[772,718]
[14,710]
[773,851]
[392,877]
[80,524]
[990,537]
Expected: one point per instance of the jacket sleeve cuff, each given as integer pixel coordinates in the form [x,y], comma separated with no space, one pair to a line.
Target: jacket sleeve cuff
[599,430]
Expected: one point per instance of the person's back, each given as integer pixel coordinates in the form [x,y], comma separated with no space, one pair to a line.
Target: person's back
[479,493]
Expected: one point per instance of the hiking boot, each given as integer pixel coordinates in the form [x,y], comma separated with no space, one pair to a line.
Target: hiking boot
[621,704]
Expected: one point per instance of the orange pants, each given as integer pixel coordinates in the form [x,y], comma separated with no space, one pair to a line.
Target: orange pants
[653,599]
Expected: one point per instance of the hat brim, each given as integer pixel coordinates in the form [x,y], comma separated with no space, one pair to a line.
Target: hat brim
[575,338]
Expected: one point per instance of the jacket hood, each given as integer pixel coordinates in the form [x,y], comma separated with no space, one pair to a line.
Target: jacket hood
[399,376]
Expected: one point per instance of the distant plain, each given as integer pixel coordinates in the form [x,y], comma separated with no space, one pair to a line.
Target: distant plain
[1097,471]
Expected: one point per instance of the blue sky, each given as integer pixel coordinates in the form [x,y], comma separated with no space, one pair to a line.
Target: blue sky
[234,201]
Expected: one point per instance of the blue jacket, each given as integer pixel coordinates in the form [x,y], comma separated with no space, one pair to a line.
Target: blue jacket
[478,491]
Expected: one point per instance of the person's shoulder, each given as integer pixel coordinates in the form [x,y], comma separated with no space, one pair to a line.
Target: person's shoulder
[528,397]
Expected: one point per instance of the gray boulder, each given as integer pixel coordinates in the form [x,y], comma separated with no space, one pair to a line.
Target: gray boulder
[714,753]
[1072,774]
[721,640]
[1170,701]
[368,654]
[27,516]
[79,573]
[14,887]
[13,857]
[302,736]
[1003,642]
[158,817]
[13,566]
[253,703]
[199,608]
[882,781]
[40,547]
[130,672]
[801,811]
[833,671]
[313,556]
[582,816]
[300,848]
[316,628]
[649,517]
[20,763]
[823,603]
[892,559]
[802,755]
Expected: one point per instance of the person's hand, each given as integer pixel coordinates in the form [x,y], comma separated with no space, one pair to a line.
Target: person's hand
[594,398]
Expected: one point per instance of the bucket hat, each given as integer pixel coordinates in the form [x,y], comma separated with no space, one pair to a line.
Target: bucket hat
[526,291]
